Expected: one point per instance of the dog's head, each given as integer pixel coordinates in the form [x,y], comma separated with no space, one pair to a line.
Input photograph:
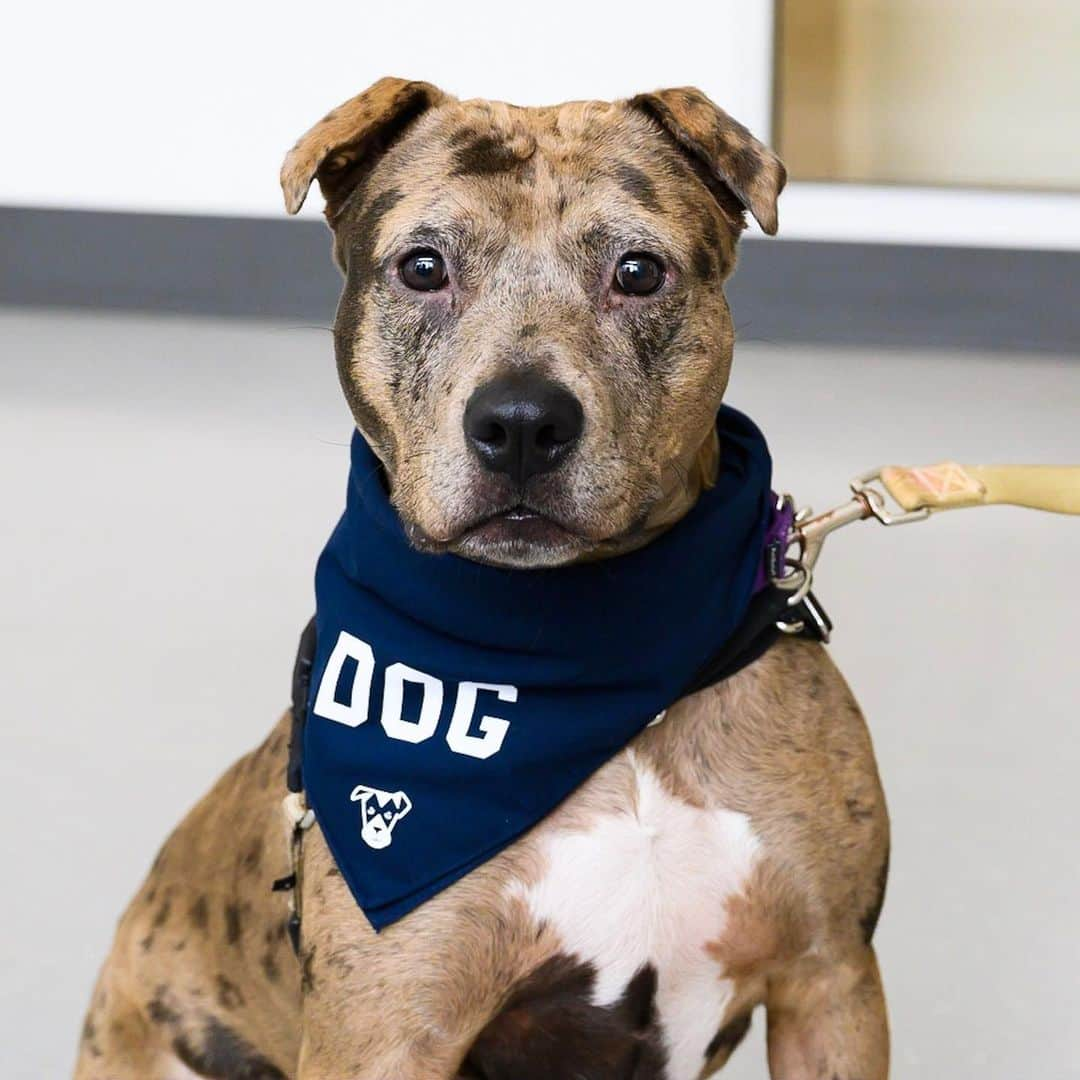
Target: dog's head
[533,335]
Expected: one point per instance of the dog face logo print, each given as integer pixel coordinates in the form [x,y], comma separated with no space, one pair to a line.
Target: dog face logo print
[380,811]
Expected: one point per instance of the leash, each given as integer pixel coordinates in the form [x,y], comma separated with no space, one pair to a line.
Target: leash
[891,495]
[903,495]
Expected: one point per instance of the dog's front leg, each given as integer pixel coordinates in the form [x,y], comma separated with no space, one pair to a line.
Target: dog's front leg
[829,1022]
[407,1003]
[398,1064]
[388,1029]
[360,1037]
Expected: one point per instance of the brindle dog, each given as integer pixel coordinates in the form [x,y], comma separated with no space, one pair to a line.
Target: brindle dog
[533,336]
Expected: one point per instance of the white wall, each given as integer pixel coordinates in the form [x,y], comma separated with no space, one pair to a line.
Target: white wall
[190,107]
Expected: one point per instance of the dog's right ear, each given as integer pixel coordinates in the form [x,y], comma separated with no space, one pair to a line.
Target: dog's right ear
[346,140]
[732,157]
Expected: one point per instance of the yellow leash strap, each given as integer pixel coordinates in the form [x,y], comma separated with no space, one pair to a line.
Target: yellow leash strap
[915,492]
[949,486]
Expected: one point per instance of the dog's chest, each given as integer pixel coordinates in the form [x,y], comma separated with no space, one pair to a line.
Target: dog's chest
[647,886]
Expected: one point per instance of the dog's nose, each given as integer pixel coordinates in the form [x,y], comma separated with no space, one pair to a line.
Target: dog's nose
[522,424]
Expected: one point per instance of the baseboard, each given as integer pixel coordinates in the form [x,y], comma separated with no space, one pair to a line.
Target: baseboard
[783,291]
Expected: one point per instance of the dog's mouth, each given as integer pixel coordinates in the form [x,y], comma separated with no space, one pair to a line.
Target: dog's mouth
[534,529]
[524,537]
[518,535]
[520,525]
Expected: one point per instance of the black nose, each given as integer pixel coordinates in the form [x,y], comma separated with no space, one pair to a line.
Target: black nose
[522,424]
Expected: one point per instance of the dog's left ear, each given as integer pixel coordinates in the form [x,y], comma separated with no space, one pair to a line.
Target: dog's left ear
[732,156]
[337,148]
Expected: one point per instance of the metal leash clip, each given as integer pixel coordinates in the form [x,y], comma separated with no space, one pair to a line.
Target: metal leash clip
[876,501]
[795,573]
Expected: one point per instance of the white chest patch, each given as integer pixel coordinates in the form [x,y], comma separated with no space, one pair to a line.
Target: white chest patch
[650,887]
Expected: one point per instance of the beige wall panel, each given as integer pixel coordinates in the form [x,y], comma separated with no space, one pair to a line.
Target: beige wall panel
[971,92]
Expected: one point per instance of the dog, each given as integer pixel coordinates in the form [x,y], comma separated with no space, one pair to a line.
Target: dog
[731,856]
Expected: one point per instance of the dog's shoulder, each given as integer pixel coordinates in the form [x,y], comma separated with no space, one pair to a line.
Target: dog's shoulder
[785,742]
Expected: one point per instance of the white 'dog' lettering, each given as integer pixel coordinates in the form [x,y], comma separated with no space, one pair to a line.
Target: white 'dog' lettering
[394,724]
[354,712]
[493,728]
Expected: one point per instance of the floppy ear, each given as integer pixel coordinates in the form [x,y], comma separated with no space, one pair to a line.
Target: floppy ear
[335,150]
[732,156]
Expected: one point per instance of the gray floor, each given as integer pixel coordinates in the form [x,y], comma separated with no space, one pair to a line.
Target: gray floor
[168,483]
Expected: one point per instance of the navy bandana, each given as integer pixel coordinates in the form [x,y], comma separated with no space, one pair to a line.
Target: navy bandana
[453,705]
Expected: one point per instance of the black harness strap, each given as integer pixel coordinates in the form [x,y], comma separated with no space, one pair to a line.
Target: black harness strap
[756,634]
[759,631]
[301,682]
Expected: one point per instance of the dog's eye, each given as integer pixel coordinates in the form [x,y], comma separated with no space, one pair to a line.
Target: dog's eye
[423,270]
[639,274]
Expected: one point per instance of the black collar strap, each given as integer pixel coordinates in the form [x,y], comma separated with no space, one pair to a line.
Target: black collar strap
[767,619]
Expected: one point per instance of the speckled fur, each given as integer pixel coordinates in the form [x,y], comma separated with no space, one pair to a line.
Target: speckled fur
[201,980]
